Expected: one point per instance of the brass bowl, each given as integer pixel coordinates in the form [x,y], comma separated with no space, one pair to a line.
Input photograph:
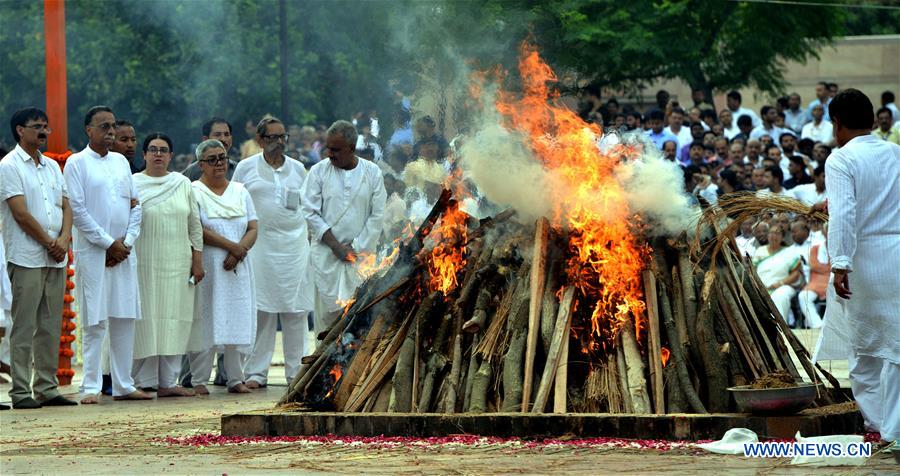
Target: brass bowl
[774,401]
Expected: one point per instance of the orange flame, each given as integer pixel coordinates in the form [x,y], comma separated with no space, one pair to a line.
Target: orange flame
[447,258]
[605,258]
[664,355]
[336,373]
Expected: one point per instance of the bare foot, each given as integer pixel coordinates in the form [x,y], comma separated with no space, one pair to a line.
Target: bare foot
[174,392]
[135,395]
[201,390]
[239,388]
[90,400]
[253,384]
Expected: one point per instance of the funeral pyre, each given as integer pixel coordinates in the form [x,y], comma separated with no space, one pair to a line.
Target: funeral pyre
[585,310]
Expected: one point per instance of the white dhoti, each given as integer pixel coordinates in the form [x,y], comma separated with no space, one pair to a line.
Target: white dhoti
[121,349]
[293,334]
[202,364]
[159,371]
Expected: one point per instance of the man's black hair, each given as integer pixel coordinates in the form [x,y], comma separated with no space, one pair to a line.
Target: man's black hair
[788,133]
[764,110]
[22,116]
[744,120]
[796,159]
[734,95]
[852,109]
[887,97]
[709,113]
[678,110]
[207,126]
[655,114]
[883,109]
[776,172]
[93,112]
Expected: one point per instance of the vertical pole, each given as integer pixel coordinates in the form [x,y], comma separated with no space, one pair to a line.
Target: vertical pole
[282,14]
[55,58]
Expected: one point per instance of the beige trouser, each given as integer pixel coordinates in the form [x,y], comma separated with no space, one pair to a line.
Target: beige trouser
[37,324]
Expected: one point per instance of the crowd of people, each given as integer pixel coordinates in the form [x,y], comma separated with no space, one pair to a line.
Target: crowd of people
[780,151]
[177,271]
[174,268]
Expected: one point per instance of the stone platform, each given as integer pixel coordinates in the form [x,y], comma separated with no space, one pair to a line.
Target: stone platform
[841,420]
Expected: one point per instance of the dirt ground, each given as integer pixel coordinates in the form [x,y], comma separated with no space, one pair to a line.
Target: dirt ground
[126,438]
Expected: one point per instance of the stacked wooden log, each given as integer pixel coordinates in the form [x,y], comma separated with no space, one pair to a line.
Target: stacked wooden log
[507,338]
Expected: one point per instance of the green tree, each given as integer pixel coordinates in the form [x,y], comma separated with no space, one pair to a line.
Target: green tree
[710,44]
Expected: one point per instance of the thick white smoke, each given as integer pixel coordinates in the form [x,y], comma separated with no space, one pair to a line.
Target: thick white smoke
[503,167]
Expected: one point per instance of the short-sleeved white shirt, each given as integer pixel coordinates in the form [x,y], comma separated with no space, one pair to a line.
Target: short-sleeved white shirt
[44,188]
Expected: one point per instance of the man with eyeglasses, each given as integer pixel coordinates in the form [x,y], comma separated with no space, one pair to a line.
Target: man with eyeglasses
[343,201]
[281,254]
[126,144]
[220,130]
[107,218]
[37,223]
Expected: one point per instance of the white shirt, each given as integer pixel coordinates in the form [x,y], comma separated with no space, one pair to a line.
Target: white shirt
[808,194]
[281,254]
[895,113]
[775,133]
[743,111]
[802,251]
[44,188]
[863,186]
[100,194]
[823,132]
[796,120]
[746,245]
[351,204]
[731,132]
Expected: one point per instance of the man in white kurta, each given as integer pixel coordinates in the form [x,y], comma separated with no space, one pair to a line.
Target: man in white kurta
[107,218]
[281,254]
[343,202]
[863,187]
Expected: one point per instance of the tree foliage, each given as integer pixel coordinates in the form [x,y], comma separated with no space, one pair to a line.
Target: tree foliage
[710,44]
[170,65]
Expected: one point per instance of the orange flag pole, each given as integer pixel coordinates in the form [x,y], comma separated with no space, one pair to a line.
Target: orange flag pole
[55,58]
[58,149]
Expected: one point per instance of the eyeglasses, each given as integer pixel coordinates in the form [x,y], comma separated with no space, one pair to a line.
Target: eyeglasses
[39,127]
[158,150]
[334,149]
[275,137]
[105,126]
[218,160]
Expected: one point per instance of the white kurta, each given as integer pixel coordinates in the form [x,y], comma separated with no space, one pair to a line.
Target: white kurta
[5,293]
[227,299]
[350,203]
[170,231]
[100,194]
[281,253]
[863,187]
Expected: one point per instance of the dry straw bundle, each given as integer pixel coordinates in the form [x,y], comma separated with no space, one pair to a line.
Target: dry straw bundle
[742,206]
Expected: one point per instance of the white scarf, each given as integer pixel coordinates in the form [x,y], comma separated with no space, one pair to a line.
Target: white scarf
[155,190]
[230,204]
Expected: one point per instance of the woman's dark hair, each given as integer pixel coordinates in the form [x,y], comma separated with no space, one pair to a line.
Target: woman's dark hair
[158,135]
[22,116]
[852,109]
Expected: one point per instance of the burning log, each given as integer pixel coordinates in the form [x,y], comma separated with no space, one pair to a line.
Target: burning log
[538,278]
[656,368]
[560,333]
[517,328]
[634,368]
